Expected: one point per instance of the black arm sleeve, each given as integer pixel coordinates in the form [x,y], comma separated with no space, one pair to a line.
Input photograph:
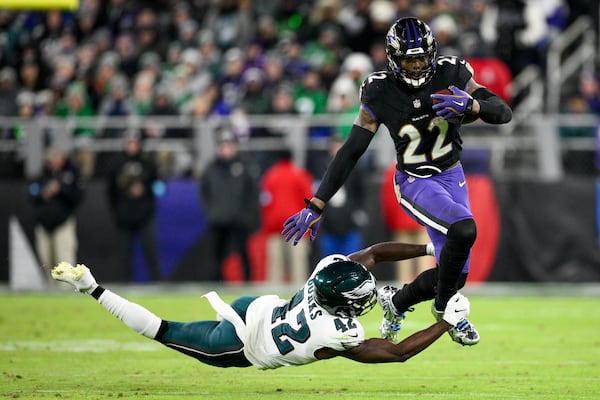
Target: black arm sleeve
[344,161]
[493,109]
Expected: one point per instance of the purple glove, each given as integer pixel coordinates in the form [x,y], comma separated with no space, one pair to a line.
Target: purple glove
[305,219]
[452,105]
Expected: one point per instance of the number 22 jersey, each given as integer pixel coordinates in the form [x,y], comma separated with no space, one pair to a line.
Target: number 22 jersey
[425,143]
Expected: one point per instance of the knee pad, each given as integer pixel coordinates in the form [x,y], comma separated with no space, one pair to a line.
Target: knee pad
[463,232]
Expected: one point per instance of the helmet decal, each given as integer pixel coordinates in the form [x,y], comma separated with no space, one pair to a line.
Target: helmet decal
[411,38]
[343,287]
[362,290]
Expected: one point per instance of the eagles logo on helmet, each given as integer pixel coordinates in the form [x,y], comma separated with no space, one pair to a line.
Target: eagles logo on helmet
[344,288]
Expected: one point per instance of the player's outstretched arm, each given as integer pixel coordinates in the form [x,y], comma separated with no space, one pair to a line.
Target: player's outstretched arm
[361,134]
[377,350]
[388,251]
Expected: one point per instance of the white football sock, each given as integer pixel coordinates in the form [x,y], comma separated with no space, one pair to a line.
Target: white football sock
[133,315]
[430,249]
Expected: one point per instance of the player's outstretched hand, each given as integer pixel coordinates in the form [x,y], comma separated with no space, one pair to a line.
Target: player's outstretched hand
[296,226]
[457,309]
[452,105]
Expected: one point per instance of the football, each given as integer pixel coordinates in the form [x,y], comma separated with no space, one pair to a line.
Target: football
[443,91]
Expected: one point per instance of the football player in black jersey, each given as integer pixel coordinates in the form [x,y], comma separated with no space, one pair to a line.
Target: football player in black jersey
[429,181]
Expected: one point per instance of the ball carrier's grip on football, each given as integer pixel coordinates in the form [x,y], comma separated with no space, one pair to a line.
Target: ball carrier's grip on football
[466,119]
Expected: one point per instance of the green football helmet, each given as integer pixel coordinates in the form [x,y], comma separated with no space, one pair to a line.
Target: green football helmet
[344,288]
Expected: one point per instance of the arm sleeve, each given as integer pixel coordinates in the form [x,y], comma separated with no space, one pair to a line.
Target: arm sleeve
[493,109]
[344,161]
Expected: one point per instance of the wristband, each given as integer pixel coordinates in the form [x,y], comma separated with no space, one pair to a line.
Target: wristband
[312,206]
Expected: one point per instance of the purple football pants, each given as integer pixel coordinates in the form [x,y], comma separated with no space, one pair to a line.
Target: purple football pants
[435,202]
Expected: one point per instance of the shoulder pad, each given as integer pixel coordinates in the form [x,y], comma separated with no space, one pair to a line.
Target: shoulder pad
[372,83]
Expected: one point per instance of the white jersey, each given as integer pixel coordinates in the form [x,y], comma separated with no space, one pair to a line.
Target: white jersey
[280,333]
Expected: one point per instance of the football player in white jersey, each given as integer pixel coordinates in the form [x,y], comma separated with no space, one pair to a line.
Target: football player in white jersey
[318,322]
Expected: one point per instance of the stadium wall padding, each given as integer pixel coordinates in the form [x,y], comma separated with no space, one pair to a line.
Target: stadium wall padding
[527,231]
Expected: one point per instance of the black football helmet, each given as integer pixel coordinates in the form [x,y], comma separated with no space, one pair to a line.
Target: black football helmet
[410,37]
[344,288]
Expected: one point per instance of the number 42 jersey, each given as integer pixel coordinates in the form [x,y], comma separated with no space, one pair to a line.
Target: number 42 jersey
[425,143]
[283,333]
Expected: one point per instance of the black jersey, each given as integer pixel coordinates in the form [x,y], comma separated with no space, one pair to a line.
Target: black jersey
[425,143]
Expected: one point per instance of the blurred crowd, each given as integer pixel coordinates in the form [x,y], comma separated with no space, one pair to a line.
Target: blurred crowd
[221,57]
[234,58]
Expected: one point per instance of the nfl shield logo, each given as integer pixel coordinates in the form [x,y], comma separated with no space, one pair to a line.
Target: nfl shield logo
[417,103]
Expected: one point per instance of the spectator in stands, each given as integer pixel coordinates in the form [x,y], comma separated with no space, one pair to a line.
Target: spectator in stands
[48,28]
[232,21]
[56,194]
[255,100]
[87,19]
[76,104]
[44,103]
[282,188]
[150,62]
[356,22]
[8,92]
[211,55]
[354,70]
[180,91]
[133,186]
[117,103]
[274,73]
[162,106]
[325,53]
[254,56]
[325,17]
[230,79]
[143,92]
[106,69]
[199,79]
[126,47]
[267,33]
[383,13]
[310,98]
[86,58]
[282,103]
[229,193]
[445,29]
[295,65]
[103,40]
[30,75]
[25,111]
[150,34]
[186,34]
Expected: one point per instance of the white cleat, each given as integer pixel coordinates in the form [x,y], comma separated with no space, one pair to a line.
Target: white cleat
[79,276]
[463,333]
[392,319]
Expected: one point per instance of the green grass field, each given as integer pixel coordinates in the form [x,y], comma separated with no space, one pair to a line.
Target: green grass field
[65,345]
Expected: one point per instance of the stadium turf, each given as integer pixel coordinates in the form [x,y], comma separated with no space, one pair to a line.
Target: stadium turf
[65,345]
